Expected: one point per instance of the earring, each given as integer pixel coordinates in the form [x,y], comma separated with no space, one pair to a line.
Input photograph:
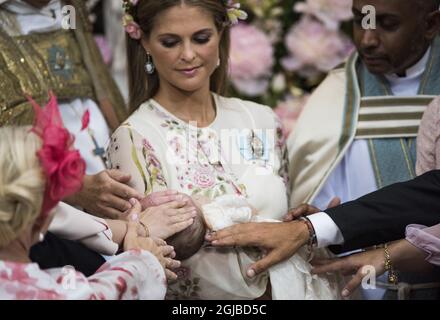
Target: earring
[149,66]
[218,62]
[41,237]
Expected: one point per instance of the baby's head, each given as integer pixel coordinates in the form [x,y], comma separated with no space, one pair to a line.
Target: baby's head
[187,242]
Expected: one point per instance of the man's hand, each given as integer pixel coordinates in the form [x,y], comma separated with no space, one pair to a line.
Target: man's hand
[353,264]
[306,209]
[280,240]
[105,194]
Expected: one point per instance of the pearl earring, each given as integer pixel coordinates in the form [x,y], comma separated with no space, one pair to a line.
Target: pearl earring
[41,237]
[149,66]
[218,62]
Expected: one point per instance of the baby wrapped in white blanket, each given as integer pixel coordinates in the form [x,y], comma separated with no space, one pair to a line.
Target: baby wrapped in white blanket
[290,279]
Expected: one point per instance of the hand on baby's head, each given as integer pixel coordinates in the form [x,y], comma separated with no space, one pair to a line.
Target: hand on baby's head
[159,198]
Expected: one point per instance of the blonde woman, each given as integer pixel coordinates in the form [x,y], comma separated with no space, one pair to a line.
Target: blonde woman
[37,169]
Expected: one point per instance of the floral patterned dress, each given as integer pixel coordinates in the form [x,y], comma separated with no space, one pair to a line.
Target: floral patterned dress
[131,275]
[242,152]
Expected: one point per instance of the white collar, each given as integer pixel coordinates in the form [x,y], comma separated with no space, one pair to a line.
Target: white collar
[413,72]
[22,7]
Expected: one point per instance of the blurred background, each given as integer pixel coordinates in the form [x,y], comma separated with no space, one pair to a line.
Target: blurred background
[278,55]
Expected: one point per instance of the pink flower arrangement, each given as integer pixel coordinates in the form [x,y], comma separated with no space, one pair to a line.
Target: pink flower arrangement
[314,48]
[252,59]
[330,12]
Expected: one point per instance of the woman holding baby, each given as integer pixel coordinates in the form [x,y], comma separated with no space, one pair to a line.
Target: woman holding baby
[185,136]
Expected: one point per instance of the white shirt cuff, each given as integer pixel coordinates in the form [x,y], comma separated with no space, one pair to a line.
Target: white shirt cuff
[326,230]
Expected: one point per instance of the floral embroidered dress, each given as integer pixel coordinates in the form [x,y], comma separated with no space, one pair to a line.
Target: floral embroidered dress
[128,276]
[242,152]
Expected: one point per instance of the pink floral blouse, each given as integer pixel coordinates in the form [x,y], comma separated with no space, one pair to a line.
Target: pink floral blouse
[128,276]
[242,152]
[428,139]
[426,239]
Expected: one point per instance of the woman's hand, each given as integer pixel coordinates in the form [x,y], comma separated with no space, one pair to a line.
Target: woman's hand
[403,255]
[158,248]
[159,198]
[359,264]
[168,219]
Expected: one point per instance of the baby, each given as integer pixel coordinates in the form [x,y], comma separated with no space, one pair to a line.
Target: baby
[228,210]
[223,212]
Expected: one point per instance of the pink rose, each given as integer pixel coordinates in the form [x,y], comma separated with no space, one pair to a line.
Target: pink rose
[133,30]
[69,176]
[182,273]
[204,178]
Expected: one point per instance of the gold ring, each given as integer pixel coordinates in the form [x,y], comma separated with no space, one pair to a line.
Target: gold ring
[147,231]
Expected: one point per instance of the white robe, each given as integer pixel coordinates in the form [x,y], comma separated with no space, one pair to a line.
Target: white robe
[33,20]
[70,223]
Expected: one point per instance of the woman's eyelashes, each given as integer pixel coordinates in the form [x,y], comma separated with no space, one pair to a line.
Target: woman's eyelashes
[198,39]
[202,39]
[169,43]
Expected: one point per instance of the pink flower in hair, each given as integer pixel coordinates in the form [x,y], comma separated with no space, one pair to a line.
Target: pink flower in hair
[62,165]
[131,27]
[133,30]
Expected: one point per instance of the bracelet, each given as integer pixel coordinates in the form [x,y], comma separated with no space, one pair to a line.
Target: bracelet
[147,231]
[392,276]
[313,241]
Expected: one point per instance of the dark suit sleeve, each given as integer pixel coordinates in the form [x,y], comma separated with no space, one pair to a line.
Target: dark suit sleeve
[382,216]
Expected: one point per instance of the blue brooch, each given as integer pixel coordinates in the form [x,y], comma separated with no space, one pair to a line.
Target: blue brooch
[253,145]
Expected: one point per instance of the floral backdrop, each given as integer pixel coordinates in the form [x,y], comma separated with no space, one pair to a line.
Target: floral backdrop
[278,55]
[285,49]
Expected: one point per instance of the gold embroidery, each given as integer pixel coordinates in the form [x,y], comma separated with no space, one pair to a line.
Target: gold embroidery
[34,64]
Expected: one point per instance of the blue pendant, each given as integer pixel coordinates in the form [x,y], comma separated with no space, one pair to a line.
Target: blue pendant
[253,145]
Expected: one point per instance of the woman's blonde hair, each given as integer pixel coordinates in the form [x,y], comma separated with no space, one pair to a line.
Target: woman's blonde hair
[22,182]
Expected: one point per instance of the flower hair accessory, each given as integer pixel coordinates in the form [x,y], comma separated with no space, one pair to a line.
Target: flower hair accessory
[131,27]
[63,166]
[135,32]
[234,12]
